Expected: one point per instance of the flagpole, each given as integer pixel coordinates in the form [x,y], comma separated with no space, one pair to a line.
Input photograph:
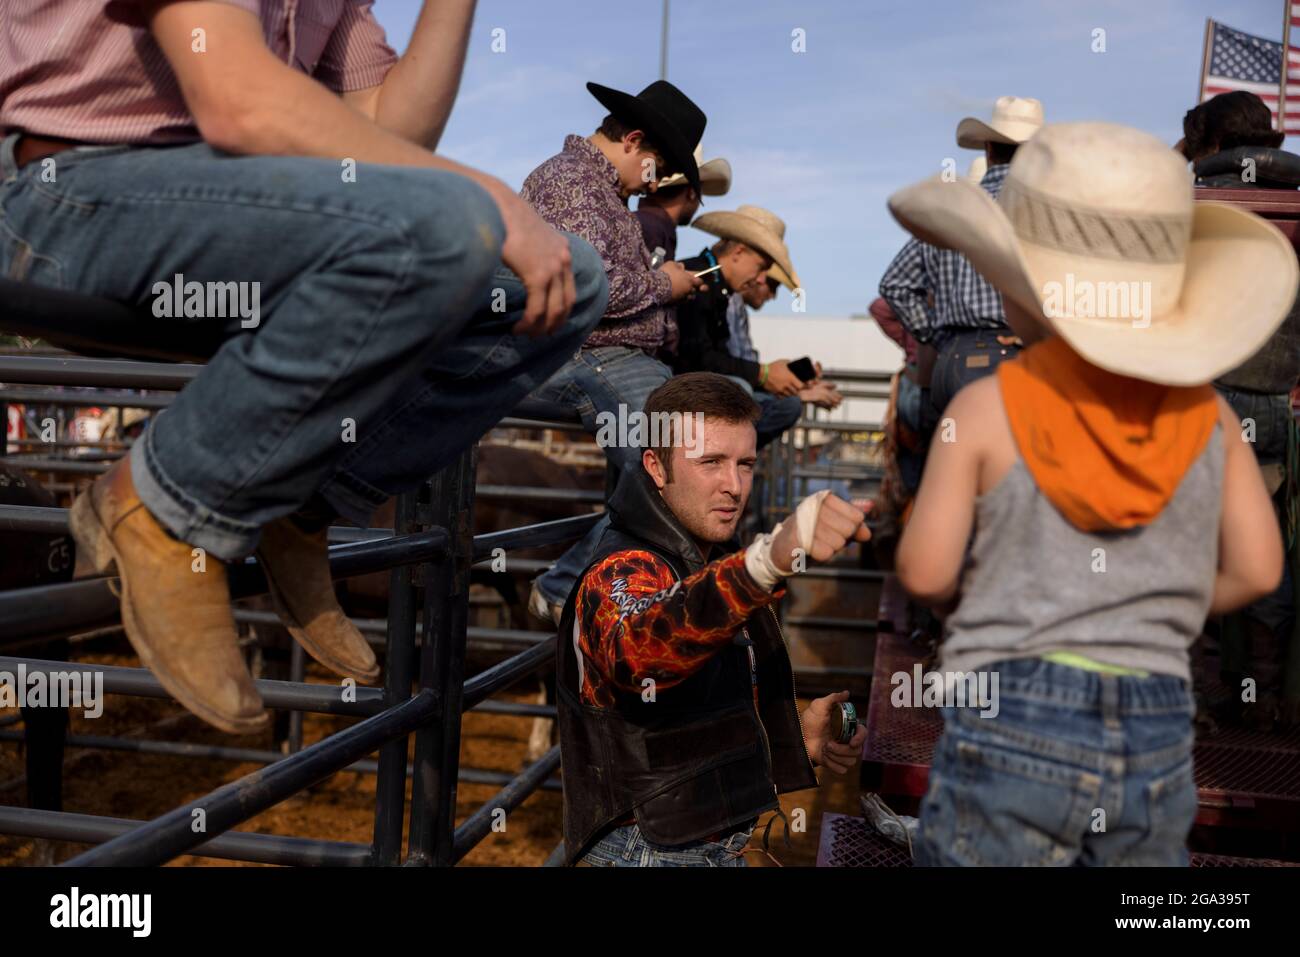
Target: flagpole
[1286,57]
[663,45]
[1205,59]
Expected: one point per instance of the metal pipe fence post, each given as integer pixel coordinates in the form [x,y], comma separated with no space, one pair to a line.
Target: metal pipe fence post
[442,670]
[399,659]
[297,673]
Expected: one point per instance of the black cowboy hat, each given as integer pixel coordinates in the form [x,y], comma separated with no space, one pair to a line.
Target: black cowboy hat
[670,120]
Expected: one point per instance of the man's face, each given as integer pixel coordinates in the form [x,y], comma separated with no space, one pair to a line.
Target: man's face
[743,265]
[757,293]
[708,492]
[640,166]
[690,206]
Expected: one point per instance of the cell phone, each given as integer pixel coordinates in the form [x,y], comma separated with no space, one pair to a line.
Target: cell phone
[804,369]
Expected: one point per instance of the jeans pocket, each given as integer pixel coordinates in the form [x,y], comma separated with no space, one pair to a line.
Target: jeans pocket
[1013,809]
[1171,810]
[20,262]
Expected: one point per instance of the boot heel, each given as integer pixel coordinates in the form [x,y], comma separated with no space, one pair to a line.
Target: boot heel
[90,534]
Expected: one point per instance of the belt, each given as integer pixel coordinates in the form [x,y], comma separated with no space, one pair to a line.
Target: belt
[31,148]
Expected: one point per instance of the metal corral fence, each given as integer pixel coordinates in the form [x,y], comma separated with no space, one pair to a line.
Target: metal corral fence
[429,555]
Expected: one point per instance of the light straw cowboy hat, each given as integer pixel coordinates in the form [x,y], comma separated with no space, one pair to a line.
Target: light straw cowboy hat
[1107,208]
[1015,119]
[715,176]
[780,275]
[757,228]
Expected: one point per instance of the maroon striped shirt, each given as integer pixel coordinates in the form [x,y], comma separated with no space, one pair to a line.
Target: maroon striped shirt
[91,71]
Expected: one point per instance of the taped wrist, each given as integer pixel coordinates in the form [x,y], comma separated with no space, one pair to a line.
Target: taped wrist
[758,557]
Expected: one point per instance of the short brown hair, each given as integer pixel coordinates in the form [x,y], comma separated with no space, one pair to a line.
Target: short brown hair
[614,128]
[712,395]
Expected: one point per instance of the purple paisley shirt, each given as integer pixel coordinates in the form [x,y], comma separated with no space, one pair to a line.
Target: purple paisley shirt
[577,191]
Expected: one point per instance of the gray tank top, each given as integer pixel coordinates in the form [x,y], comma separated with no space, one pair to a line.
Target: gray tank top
[1032,583]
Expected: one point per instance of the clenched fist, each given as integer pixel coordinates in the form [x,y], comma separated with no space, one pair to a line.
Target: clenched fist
[822,535]
[822,526]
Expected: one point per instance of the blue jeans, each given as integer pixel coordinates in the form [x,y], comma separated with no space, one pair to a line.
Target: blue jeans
[383,348]
[1271,415]
[594,381]
[916,412]
[1077,768]
[965,357]
[627,847]
[776,413]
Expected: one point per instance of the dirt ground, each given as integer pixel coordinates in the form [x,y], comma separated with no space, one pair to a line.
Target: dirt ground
[142,786]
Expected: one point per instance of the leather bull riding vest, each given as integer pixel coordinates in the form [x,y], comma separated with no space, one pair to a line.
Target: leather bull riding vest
[702,757]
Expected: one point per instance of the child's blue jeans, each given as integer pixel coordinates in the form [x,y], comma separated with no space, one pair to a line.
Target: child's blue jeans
[1077,768]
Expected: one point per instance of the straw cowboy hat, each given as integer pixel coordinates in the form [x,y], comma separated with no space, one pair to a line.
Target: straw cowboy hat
[1096,234]
[780,275]
[1015,119]
[670,119]
[715,176]
[757,228]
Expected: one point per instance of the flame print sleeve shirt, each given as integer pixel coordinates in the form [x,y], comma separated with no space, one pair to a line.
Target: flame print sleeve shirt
[637,621]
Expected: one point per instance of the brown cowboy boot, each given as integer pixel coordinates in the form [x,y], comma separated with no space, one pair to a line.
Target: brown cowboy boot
[178,620]
[298,573]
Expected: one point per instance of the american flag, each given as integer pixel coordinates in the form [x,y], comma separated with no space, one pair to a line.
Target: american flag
[1241,61]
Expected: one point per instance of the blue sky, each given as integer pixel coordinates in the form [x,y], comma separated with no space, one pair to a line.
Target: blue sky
[824,136]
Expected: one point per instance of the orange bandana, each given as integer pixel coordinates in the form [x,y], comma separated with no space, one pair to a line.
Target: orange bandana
[1107,450]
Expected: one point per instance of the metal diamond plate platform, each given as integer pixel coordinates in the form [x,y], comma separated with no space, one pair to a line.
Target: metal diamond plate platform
[848,841]
[1235,767]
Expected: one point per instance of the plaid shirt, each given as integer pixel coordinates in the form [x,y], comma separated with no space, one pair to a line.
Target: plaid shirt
[963,299]
[740,344]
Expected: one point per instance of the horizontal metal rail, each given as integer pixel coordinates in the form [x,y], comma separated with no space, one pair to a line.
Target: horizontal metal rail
[839,571]
[66,466]
[524,493]
[231,846]
[173,833]
[102,397]
[183,749]
[100,373]
[534,536]
[855,375]
[830,425]
[86,603]
[479,824]
[499,677]
[833,624]
[511,422]
[288,695]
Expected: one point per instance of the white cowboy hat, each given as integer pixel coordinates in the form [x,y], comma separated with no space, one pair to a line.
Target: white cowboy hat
[715,176]
[757,228]
[1096,233]
[978,167]
[1015,119]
